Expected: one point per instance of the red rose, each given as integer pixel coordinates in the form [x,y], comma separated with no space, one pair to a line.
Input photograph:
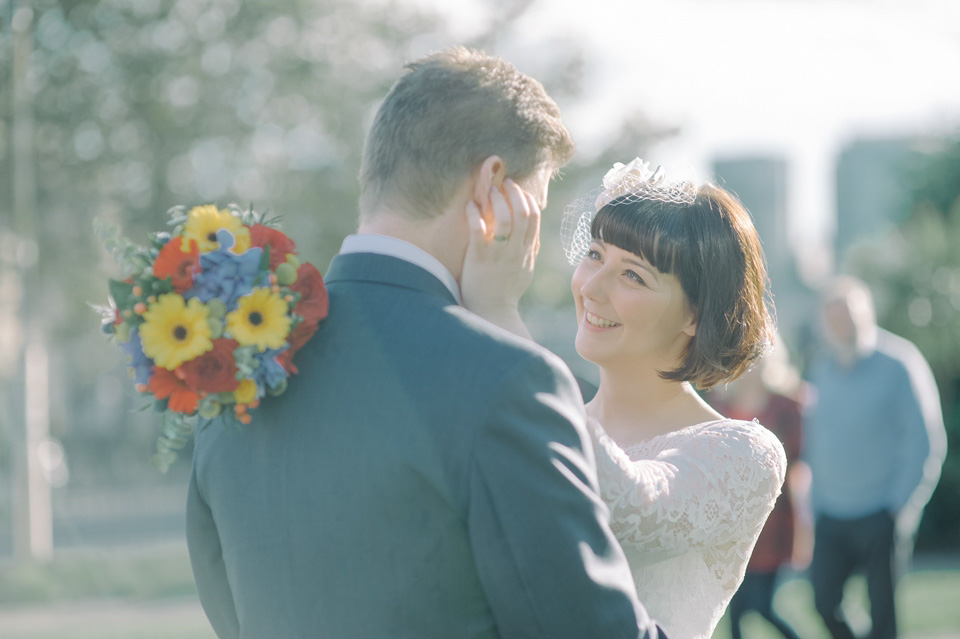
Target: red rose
[215,371]
[280,245]
[313,306]
[179,265]
[314,303]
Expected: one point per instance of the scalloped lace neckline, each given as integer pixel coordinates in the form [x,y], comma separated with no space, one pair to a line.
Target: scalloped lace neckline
[680,431]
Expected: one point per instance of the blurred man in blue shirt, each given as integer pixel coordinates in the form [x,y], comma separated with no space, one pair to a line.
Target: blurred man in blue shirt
[875,443]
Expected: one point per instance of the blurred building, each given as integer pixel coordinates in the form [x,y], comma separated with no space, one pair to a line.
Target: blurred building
[762,183]
[872,191]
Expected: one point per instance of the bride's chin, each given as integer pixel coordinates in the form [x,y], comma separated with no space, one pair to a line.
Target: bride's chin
[584,351]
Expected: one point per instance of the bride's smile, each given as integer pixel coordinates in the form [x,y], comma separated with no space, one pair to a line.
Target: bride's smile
[599,322]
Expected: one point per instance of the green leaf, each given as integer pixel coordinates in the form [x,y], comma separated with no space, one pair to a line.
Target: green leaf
[265,260]
[121,293]
[176,430]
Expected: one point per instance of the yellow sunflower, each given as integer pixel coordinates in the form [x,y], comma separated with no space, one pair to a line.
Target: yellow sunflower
[202,225]
[174,332]
[260,319]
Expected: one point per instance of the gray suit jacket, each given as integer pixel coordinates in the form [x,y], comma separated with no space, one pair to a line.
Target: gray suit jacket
[426,475]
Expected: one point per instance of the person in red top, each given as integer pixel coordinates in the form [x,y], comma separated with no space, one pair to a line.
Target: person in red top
[752,396]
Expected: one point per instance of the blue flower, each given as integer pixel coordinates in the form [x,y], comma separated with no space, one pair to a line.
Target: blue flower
[269,372]
[140,365]
[224,274]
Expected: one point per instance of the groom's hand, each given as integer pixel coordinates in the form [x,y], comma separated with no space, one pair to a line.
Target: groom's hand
[501,255]
[511,217]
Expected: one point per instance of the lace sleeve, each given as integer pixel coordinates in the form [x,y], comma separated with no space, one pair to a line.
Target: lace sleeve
[709,485]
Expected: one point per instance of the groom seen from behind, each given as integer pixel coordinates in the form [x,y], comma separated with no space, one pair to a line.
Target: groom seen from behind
[426,475]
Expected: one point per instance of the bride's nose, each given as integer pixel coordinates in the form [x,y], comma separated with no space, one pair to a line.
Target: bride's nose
[593,286]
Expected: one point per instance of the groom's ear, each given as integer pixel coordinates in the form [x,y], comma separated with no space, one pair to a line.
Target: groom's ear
[491,174]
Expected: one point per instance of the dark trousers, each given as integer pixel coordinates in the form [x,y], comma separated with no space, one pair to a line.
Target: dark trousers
[842,546]
[756,593]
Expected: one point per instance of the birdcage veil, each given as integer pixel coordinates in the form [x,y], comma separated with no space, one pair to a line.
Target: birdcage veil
[630,183]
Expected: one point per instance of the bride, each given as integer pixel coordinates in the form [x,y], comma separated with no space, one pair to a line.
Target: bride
[670,294]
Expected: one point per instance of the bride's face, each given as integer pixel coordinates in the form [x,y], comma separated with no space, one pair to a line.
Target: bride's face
[628,312]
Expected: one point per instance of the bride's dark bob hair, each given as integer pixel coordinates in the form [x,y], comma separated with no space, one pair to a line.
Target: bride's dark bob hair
[712,247]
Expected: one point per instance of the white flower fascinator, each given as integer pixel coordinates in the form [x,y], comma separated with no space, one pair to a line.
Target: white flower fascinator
[630,182]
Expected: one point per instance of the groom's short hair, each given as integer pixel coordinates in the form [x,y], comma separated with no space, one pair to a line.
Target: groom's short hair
[443,118]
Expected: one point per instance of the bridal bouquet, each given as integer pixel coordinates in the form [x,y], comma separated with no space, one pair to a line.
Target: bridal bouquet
[210,315]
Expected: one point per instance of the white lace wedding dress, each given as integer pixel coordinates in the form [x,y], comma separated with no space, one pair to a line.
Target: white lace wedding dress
[687,508]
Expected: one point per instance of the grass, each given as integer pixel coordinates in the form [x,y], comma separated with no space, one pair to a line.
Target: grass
[130,594]
[158,573]
[928,603]
[110,619]
[149,594]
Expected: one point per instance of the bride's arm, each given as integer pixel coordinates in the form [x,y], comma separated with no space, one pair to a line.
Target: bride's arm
[501,256]
[716,486]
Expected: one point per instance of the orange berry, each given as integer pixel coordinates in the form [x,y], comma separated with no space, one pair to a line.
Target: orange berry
[137,290]
[139,308]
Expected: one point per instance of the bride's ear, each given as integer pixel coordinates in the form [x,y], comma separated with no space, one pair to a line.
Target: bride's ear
[491,174]
[690,328]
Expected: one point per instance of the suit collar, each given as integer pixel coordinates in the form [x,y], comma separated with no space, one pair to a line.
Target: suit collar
[395,247]
[388,270]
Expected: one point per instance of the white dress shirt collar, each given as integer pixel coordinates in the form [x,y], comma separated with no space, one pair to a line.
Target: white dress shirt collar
[402,250]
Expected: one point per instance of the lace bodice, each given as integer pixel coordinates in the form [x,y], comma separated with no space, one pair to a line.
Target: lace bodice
[687,508]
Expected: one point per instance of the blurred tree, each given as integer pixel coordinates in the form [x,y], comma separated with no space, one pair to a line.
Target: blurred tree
[139,105]
[914,271]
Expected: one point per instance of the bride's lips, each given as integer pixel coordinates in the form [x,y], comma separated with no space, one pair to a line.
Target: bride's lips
[596,322]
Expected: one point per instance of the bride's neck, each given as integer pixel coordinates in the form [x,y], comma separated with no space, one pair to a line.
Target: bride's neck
[638,407]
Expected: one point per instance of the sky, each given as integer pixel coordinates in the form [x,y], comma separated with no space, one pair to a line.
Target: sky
[797,78]
[740,71]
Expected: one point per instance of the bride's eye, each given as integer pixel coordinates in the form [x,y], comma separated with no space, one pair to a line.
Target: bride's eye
[594,255]
[633,275]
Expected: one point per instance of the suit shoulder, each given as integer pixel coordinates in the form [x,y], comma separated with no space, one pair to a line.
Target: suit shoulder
[512,350]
